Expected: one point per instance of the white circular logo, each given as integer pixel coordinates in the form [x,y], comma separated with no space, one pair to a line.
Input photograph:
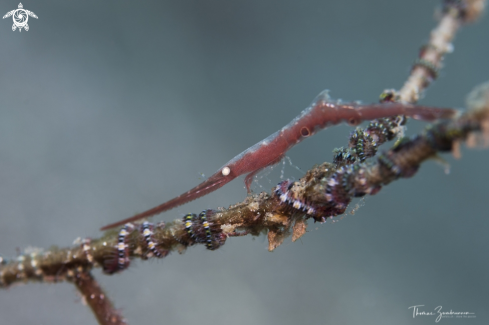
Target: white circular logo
[20,17]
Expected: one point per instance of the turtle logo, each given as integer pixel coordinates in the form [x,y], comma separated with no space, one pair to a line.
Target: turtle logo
[20,17]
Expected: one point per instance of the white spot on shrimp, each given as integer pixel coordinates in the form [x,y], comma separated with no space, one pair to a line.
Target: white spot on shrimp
[225,171]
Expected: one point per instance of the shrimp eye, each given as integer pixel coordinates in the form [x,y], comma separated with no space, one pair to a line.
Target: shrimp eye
[353,122]
[305,132]
[225,171]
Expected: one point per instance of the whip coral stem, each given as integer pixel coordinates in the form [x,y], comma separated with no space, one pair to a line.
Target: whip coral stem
[99,302]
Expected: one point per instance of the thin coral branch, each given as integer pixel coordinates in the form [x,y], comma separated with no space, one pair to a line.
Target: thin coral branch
[324,192]
[426,67]
[99,302]
[364,142]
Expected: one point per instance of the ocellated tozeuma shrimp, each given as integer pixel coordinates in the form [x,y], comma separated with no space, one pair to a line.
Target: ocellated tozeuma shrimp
[322,113]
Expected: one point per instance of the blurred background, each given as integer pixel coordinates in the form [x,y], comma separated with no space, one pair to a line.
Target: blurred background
[110,108]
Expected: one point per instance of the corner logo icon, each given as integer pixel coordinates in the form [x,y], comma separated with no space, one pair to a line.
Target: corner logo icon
[20,17]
